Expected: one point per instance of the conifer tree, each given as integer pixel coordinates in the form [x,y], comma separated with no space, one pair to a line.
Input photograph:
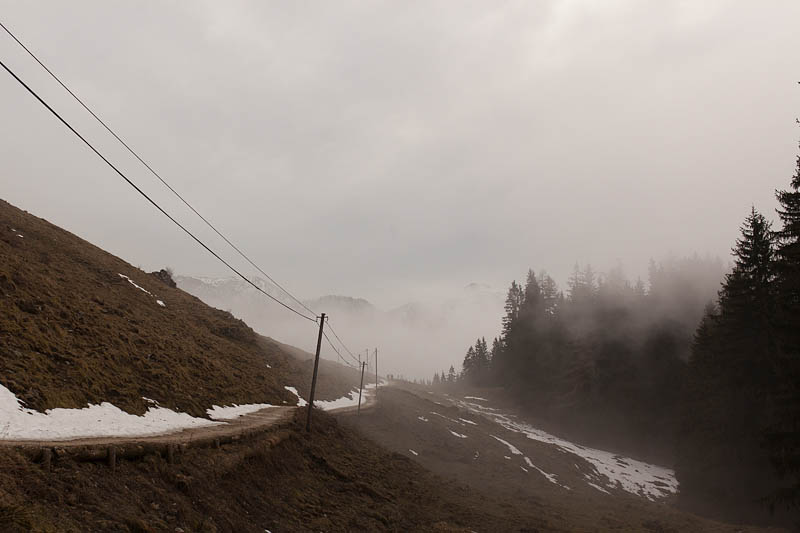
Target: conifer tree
[532,297]
[728,379]
[481,360]
[495,355]
[550,294]
[582,284]
[783,437]
[575,282]
[469,365]
[513,304]
[747,303]
[512,307]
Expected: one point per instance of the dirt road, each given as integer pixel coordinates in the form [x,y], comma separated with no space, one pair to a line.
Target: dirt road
[227,431]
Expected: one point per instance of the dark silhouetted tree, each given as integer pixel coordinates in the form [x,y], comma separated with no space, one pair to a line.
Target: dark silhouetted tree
[720,453]
[783,437]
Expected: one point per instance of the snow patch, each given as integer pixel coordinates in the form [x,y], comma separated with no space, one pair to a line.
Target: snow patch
[300,401]
[159,302]
[422,418]
[412,451]
[470,422]
[475,398]
[103,420]
[135,285]
[370,386]
[476,407]
[513,449]
[598,487]
[609,470]
[448,418]
[351,400]
[550,477]
[459,435]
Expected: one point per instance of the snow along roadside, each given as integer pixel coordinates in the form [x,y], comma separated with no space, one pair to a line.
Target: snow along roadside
[18,423]
[104,420]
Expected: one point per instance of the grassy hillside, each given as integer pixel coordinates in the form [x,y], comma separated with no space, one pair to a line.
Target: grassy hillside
[79,325]
[332,479]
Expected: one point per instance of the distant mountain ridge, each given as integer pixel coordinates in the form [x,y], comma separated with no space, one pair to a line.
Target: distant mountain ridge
[343,303]
[428,335]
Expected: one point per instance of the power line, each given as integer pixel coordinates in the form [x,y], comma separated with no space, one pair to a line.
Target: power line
[156,174]
[342,343]
[140,191]
[337,351]
[175,192]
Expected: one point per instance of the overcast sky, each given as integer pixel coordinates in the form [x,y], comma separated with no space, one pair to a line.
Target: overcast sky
[392,150]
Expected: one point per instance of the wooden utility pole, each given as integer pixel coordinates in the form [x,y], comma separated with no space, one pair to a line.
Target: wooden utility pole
[376,374]
[314,375]
[361,388]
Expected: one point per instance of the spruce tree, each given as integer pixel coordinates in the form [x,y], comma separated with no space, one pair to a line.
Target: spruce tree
[513,304]
[783,437]
[550,294]
[721,457]
[495,355]
[481,360]
[575,283]
[469,365]
[747,303]
[532,298]
[514,298]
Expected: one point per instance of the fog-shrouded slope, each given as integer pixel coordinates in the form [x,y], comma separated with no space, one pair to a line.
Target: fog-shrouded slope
[476,441]
[415,339]
[80,326]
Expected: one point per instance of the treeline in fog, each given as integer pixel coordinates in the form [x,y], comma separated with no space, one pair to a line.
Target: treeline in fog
[604,359]
[697,368]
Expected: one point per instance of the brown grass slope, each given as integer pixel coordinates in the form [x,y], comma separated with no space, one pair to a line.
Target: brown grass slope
[481,462]
[332,480]
[73,331]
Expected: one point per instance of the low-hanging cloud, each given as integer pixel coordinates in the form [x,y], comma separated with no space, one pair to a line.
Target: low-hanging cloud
[392,150]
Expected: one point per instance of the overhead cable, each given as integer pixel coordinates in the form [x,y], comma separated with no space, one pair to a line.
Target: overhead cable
[148,198]
[152,171]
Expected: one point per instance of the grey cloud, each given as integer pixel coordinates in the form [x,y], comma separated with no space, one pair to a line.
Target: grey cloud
[394,149]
